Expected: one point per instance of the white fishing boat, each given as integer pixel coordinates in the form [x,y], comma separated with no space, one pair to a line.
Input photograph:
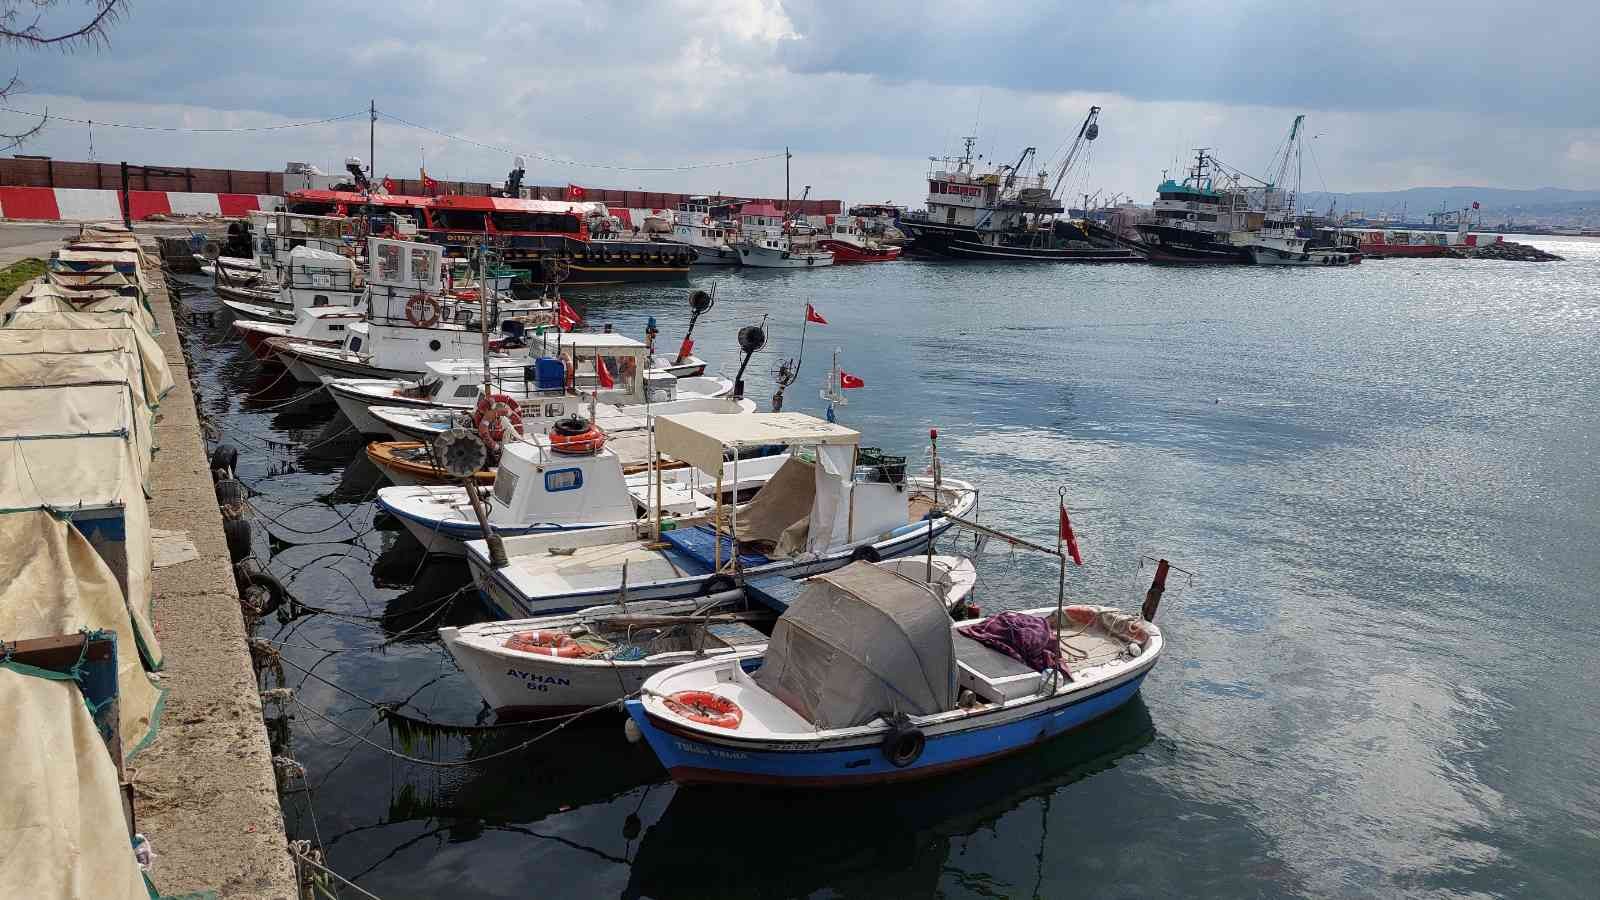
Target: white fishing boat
[409,321]
[323,325]
[1278,241]
[772,249]
[564,480]
[271,237]
[819,511]
[562,663]
[867,681]
[694,226]
[608,367]
[311,278]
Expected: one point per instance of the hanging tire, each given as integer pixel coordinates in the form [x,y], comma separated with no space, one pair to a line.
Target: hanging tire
[904,744]
[865,553]
[249,572]
[237,534]
[230,492]
[716,584]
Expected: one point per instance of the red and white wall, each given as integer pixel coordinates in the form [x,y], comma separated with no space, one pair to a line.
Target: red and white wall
[79,205]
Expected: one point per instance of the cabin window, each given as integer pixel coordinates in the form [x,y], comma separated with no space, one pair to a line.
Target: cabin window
[434,346]
[557,480]
[505,485]
[335,327]
[467,390]
[457,219]
[389,263]
[421,266]
[355,344]
[320,299]
[522,221]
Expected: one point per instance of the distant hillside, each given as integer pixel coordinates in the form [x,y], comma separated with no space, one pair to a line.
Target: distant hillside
[1418,202]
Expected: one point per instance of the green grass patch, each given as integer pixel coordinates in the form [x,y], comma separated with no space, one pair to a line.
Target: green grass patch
[16,274]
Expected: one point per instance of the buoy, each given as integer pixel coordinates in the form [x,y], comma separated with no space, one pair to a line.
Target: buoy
[630,730]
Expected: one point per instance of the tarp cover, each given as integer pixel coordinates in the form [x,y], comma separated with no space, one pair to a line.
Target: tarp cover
[859,643]
[698,438]
[79,450]
[53,582]
[50,397]
[157,375]
[784,500]
[61,820]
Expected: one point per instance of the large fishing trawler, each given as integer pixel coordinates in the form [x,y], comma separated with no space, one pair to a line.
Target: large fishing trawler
[1011,213]
[1195,218]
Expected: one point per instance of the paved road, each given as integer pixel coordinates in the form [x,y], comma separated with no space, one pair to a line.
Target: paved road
[20,240]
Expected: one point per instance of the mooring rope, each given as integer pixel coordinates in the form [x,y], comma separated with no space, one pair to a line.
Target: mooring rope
[461,763]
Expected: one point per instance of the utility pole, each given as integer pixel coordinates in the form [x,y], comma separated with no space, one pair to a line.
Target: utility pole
[372,141]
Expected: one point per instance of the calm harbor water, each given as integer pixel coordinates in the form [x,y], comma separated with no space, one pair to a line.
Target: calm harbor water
[1380,681]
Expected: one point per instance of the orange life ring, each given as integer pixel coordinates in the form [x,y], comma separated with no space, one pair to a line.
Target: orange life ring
[544,643]
[706,708]
[488,416]
[422,311]
[565,437]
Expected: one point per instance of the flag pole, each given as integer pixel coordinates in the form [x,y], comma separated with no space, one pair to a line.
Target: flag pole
[1061,584]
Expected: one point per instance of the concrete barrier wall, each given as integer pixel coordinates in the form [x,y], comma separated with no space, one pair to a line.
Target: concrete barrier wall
[82,205]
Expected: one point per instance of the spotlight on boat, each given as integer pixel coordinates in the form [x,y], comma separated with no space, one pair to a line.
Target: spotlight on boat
[699,301]
[751,339]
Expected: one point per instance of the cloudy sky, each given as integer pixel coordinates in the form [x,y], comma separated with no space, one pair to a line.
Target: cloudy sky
[1397,95]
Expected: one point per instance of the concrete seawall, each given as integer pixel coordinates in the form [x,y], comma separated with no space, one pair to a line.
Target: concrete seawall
[205,793]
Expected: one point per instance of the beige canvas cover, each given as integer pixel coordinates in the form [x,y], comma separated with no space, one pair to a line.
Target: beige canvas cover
[699,438]
[83,449]
[47,297]
[860,643]
[157,375]
[53,582]
[61,818]
[50,396]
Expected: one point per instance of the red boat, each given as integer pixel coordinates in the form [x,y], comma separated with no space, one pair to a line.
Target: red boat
[849,245]
[528,234]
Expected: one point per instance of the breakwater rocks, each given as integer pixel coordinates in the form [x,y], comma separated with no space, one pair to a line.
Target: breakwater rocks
[1514,252]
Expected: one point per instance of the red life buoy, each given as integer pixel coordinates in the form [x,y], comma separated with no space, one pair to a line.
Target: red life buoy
[489,416]
[706,708]
[544,643]
[576,435]
[422,311]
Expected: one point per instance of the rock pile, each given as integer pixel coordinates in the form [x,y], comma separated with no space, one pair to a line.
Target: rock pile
[1515,252]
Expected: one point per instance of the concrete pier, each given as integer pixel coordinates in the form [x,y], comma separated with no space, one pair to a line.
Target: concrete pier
[204,790]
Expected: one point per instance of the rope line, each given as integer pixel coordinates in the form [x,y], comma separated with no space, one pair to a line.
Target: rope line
[462,763]
[46,116]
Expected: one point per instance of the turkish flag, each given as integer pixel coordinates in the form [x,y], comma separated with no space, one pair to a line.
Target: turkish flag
[429,186]
[604,372]
[813,316]
[567,318]
[1069,537]
[388,185]
[848,381]
[574,192]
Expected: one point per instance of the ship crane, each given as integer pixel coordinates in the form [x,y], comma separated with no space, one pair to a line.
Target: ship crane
[1087,132]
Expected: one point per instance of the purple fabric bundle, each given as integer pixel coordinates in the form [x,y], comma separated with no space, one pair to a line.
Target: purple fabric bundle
[1026,639]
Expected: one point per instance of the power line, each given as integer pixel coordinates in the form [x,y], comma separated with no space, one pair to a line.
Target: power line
[45,116]
[571,162]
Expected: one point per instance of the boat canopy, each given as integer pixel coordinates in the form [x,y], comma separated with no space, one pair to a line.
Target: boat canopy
[27,331]
[860,643]
[699,438]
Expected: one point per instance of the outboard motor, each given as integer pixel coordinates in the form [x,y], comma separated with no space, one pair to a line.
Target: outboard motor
[751,339]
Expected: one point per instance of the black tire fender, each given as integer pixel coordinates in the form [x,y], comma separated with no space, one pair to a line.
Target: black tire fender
[865,553]
[237,534]
[904,744]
